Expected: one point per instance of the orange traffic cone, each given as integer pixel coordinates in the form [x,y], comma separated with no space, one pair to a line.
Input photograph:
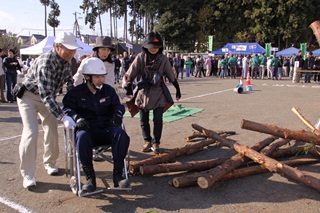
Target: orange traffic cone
[248,83]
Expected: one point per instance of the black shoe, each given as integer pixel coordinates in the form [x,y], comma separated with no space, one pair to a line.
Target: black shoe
[90,186]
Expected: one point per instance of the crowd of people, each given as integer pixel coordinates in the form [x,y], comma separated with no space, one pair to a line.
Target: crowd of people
[259,66]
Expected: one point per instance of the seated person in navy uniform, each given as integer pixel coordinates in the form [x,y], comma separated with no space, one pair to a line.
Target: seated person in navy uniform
[98,113]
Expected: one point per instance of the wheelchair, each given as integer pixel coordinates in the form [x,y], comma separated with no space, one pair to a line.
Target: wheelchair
[73,168]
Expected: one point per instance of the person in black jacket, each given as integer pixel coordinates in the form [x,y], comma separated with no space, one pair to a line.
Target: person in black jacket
[117,65]
[308,65]
[11,65]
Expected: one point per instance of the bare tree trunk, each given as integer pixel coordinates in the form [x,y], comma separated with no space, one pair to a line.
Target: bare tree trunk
[110,14]
[115,20]
[125,30]
[45,21]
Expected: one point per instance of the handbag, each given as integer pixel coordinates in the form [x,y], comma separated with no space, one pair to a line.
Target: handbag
[19,90]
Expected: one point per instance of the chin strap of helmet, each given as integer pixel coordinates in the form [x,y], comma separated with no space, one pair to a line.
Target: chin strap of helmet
[94,86]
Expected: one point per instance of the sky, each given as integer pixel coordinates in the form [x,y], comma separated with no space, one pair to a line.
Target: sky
[26,17]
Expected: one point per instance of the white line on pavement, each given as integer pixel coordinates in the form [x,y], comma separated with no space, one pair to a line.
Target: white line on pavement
[203,95]
[15,206]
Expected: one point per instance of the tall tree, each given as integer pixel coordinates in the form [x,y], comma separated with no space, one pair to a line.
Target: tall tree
[9,41]
[92,11]
[45,3]
[54,13]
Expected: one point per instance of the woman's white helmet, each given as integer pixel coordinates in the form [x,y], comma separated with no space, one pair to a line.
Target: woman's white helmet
[93,66]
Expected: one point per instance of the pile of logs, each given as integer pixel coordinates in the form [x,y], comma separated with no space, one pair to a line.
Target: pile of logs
[265,154]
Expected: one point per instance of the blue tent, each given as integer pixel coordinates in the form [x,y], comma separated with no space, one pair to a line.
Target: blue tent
[288,52]
[316,52]
[240,48]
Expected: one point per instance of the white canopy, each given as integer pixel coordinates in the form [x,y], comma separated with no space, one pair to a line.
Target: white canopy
[47,44]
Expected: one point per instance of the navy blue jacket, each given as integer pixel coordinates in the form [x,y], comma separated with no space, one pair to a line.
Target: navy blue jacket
[98,109]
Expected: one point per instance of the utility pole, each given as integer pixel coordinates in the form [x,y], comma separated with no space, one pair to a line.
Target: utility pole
[76,28]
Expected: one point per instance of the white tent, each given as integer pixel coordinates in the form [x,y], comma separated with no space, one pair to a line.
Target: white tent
[47,44]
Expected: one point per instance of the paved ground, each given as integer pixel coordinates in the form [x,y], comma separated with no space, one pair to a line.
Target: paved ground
[269,102]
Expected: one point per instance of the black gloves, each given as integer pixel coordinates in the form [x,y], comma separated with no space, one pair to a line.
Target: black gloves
[82,124]
[127,84]
[117,119]
[178,92]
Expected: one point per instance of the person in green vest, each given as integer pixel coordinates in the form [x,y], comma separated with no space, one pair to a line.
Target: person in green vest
[232,63]
[274,65]
[188,64]
[223,65]
[255,63]
[263,63]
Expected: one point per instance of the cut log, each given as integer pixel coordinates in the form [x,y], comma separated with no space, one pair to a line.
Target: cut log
[134,166]
[302,135]
[268,150]
[179,166]
[195,135]
[287,152]
[244,172]
[271,164]
[190,180]
[281,132]
[263,128]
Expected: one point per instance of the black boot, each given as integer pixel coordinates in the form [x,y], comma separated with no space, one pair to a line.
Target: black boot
[91,185]
[117,173]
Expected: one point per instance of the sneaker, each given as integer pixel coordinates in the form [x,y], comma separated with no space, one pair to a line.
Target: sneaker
[29,182]
[155,148]
[51,169]
[146,146]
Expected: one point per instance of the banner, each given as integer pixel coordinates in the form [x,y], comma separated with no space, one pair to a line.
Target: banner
[210,38]
[268,49]
[303,48]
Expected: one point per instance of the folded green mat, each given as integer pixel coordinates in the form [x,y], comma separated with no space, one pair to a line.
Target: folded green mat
[174,113]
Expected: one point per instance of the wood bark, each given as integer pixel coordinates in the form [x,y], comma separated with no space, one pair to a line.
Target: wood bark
[263,128]
[281,132]
[180,166]
[134,166]
[302,135]
[244,172]
[268,150]
[196,135]
[271,164]
[190,180]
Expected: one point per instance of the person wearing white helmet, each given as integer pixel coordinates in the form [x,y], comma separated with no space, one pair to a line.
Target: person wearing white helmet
[37,97]
[98,113]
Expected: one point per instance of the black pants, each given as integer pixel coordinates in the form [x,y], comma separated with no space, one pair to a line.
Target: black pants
[87,139]
[157,124]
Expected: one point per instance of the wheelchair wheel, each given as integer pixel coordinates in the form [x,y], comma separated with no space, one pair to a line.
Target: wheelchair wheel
[74,185]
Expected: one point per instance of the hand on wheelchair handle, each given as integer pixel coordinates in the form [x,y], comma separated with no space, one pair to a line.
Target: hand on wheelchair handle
[68,122]
[82,124]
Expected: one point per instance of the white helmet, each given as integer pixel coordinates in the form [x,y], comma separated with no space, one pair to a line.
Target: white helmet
[93,66]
